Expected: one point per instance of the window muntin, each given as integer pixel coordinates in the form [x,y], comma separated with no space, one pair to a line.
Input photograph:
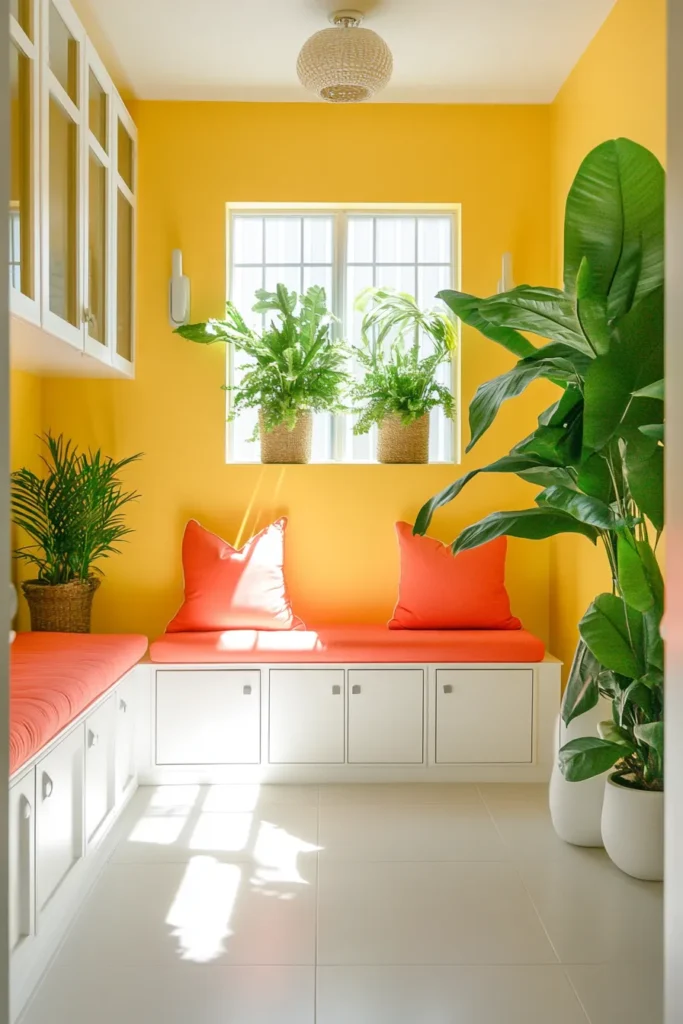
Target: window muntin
[345,251]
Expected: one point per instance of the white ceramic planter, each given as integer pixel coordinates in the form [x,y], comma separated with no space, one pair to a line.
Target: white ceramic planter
[633,830]
[576,807]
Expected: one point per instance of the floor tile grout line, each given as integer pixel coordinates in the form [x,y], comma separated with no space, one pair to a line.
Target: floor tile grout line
[515,866]
[576,991]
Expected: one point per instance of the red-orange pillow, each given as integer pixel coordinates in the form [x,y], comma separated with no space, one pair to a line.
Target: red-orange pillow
[226,588]
[440,591]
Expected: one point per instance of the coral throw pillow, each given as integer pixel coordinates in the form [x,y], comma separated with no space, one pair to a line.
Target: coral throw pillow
[226,588]
[440,591]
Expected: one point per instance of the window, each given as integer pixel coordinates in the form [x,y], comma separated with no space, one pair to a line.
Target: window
[346,250]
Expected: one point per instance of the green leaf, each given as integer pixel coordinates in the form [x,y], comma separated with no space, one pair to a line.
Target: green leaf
[205,334]
[613,733]
[646,484]
[591,309]
[467,308]
[507,464]
[491,395]
[615,220]
[531,524]
[651,733]
[655,390]
[588,756]
[594,478]
[633,580]
[653,572]
[582,691]
[653,430]
[613,636]
[639,694]
[607,395]
[544,311]
[654,645]
[581,506]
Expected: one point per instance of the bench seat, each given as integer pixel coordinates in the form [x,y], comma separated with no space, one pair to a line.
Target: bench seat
[55,676]
[348,644]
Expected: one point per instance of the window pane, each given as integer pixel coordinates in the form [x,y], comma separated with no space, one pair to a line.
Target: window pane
[360,245]
[317,240]
[125,155]
[395,240]
[431,280]
[283,240]
[21,192]
[124,278]
[97,110]
[357,280]
[289,276]
[97,248]
[63,54]
[245,282]
[21,10]
[321,276]
[434,240]
[400,278]
[247,239]
[63,227]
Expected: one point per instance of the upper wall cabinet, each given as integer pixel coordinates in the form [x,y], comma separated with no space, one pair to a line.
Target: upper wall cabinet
[72,210]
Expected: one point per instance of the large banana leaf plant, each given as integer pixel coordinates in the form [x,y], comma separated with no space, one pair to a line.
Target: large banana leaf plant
[598,450]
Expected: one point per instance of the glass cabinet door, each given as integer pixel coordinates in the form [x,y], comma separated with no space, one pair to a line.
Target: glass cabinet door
[98,291]
[63,98]
[23,220]
[126,144]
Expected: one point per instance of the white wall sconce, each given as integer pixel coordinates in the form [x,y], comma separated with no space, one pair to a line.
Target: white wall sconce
[506,282]
[178,292]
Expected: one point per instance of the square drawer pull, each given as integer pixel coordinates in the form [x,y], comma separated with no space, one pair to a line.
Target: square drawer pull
[246,690]
[448,688]
[336,690]
[355,689]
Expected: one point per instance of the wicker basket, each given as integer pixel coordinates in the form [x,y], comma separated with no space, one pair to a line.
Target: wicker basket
[283,445]
[400,444]
[60,608]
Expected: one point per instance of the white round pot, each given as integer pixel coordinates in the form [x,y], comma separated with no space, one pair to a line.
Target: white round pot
[633,830]
[576,807]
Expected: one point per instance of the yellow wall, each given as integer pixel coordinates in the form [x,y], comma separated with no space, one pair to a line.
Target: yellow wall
[617,88]
[342,559]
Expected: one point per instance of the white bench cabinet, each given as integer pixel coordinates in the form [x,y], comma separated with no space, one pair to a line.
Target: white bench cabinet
[99,766]
[484,716]
[125,770]
[22,804]
[59,814]
[386,716]
[306,716]
[208,717]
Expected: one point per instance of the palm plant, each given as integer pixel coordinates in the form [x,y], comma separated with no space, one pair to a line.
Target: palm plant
[73,513]
[597,452]
[295,365]
[398,378]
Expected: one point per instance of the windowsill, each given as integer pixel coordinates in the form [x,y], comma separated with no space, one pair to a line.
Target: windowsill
[337,462]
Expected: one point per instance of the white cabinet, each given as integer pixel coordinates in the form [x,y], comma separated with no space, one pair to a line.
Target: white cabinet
[484,716]
[124,758]
[59,814]
[73,202]
[21,865]
[208,717]
[306,716]
[99,766]
[386,716]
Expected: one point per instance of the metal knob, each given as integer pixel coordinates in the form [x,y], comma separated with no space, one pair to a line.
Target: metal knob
[48,786]
[123,706]
[448,688]
[89,318]
[355,689]
[336,690]
[246,690]
[26,809]
[93,738]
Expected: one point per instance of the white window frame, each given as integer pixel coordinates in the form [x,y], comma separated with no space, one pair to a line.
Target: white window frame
[340,212]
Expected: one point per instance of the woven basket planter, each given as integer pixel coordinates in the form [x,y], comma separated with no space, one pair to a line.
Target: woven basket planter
[282,445]
[62,607]
[400,444]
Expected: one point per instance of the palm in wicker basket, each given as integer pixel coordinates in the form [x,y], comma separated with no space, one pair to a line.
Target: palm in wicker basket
[73,517]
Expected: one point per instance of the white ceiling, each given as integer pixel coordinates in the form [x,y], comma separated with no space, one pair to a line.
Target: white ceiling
[445,51]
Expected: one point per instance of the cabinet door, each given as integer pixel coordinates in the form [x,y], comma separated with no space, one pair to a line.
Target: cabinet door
[24,237]
[386,716]
[208,717]
[99,766]
[59,821]
[98,209]
[122,280]
[306,716]
[63,120]
[21,868]
[125,772]
[484,716]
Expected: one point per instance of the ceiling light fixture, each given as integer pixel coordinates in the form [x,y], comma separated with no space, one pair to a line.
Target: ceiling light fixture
[345,64]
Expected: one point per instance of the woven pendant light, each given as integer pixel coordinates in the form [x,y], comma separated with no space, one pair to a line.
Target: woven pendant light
[345,64]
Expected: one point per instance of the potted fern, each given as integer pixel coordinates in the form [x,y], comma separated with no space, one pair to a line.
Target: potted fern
[294,368]
[72,515]
[399,385]
[598,455]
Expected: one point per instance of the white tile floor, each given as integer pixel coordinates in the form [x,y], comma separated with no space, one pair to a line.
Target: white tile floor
[355,905]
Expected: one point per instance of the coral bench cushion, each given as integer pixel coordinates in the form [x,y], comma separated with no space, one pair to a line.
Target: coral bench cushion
[348,644]
[54,676]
